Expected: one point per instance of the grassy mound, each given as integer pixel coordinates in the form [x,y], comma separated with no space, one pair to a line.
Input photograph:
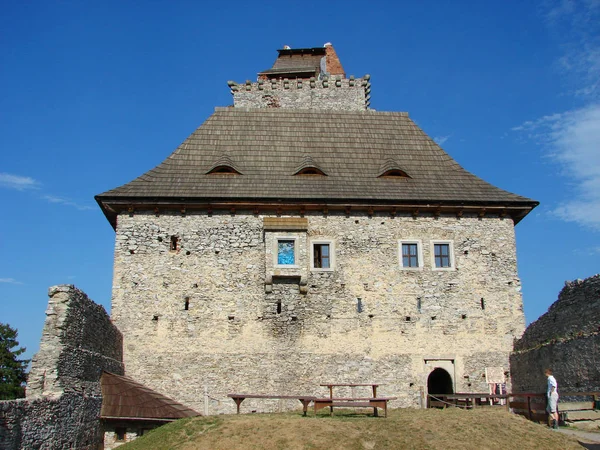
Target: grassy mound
[403,429]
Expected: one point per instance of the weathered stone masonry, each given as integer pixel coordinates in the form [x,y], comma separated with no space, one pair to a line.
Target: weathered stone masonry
[216,311]
[566,338]
[63,392]
[333,93]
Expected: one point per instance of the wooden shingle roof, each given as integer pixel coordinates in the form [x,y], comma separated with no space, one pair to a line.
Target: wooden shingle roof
[350,147]
[123,398]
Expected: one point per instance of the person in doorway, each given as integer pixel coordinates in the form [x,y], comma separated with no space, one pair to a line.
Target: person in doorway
[552,394]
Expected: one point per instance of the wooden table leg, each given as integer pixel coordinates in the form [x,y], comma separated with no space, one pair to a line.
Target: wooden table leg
[305,404]
[238,401]
[375,414]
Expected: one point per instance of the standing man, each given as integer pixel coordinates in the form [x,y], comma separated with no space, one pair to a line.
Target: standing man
[552,394]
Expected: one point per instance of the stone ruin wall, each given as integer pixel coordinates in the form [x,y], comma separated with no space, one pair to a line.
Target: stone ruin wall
[329,93]
[63,390]
[232,339]
[566,338]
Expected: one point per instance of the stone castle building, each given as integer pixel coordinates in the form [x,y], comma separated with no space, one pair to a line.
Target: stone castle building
[300,237]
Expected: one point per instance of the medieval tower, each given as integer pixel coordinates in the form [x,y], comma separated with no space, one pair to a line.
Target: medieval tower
[300,237]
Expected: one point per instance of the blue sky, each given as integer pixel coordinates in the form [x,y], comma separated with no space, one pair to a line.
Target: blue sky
[96,93]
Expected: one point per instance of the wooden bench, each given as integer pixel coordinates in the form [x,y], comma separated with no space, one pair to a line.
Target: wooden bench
[374,402]
[352,402]
[304,399]
[533,405]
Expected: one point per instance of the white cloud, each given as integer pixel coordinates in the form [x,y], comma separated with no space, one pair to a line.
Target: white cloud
[576,23]
[65,201]
[576,145]
[17,182]
[9,281]
[440,140]
[572,139]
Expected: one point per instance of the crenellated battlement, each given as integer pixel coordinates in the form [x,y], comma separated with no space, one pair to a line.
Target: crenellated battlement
[325,92]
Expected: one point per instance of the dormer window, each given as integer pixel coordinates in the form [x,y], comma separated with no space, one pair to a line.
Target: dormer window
[391,169]
[308,166]
[395,173]
[223,170]
[224,166]
[310,171]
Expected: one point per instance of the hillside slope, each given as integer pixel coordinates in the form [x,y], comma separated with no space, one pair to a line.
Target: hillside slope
[403,429]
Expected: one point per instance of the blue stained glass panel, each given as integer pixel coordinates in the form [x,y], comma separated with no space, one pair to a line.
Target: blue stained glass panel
[285,253]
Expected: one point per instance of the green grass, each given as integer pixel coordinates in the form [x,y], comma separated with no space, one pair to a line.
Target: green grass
[403,429]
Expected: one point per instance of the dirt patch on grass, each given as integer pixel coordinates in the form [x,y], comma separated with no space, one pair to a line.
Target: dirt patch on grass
[403,429]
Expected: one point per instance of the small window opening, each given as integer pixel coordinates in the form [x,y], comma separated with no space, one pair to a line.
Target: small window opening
[131,252]
[407,318]
[356,221]
[230,317]
[395,173]
[310,171]
[411,384]
[442,255]
[160,239]
[278,307]
[419,304]
[120,433]
[463,316]
[482,303]
[359,305]
[433,317]
[371,316]
[410,255]
[155,318]
[224,169]
[195,285]
[174,243]
[294,318]
[322,258]
[188,253]
[187,304]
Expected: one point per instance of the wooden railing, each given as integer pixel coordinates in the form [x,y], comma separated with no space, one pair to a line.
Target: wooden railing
[533,404]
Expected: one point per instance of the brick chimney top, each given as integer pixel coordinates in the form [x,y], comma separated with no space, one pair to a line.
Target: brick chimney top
[304,63]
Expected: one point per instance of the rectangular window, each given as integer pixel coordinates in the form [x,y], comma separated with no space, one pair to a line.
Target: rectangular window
[441,253]
[286,255]
[410,255]
[321,253]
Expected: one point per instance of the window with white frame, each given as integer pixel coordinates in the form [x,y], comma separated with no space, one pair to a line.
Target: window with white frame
[322,257]
[286,252]
[443,255]
[411,256]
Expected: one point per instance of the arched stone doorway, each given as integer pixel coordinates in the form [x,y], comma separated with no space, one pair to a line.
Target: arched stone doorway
[439,381]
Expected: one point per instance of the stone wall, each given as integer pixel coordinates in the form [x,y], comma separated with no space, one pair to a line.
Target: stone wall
[329,93]
[63,391]
[218,312]
[566,338]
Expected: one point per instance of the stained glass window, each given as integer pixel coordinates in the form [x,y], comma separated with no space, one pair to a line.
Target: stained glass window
[285,252]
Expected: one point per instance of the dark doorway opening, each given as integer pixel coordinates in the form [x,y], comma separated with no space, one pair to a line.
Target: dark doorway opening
[439,382]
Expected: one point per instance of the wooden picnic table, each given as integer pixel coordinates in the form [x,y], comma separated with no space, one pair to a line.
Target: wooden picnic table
[304,399]
[351,402]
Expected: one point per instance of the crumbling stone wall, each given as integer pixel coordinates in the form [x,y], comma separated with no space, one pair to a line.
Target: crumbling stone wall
[330,93]
[217,312]
[63,392]
[566,338]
